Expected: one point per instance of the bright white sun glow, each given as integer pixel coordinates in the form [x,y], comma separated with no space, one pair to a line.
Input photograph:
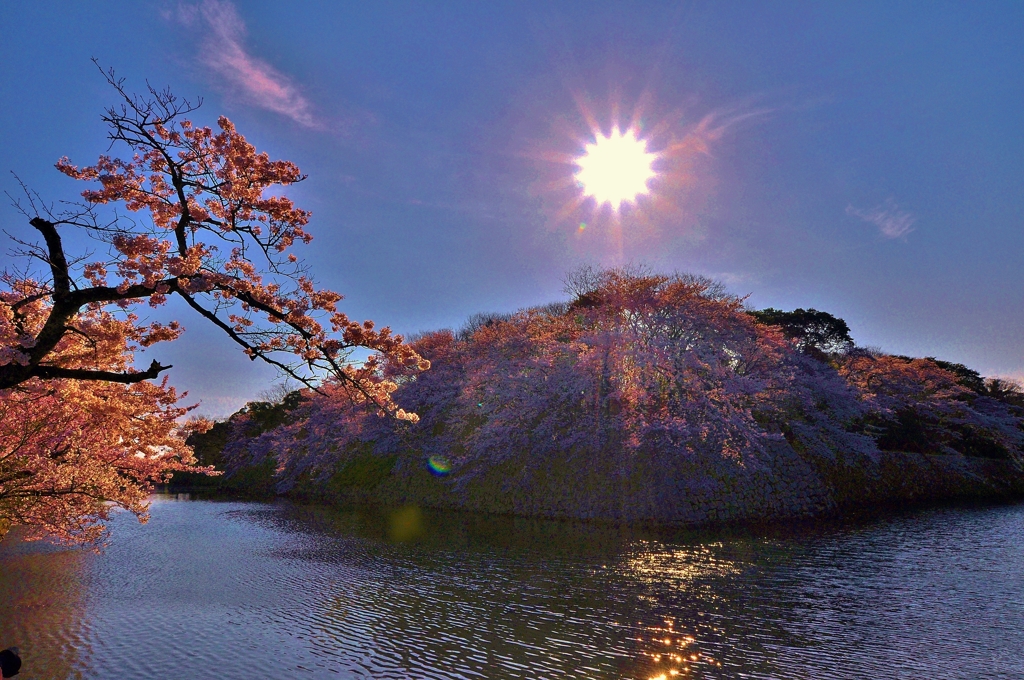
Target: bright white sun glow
[615,169]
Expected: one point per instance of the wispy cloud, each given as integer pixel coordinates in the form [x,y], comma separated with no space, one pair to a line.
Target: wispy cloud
[890,220]
[254,80]
[733,279]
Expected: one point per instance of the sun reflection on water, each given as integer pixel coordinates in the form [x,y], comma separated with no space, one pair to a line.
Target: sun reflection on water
[671,648]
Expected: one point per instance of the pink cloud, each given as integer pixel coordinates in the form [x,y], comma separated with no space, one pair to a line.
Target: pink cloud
[251,78]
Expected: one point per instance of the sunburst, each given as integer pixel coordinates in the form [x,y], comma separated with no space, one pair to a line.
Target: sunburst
[616,169]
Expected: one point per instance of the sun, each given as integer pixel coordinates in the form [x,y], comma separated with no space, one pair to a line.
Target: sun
[615,169]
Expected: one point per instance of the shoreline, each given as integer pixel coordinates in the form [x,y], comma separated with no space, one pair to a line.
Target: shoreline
[835,491]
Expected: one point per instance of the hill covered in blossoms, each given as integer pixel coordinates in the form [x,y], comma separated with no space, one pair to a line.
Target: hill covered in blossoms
[644,398]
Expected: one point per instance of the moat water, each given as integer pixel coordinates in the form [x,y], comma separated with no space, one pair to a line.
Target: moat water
[249,590]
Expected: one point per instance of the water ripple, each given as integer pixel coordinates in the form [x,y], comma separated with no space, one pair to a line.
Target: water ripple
[239,590]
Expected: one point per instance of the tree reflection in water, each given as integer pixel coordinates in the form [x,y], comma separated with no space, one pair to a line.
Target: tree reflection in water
[42,606]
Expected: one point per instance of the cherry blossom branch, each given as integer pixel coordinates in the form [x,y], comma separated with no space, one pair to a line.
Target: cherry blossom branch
[53,372]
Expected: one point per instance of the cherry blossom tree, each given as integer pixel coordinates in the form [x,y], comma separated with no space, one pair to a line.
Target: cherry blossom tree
[918,405]
[636,362]
[191,212]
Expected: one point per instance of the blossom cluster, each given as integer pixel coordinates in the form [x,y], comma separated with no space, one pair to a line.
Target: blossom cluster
[72,450]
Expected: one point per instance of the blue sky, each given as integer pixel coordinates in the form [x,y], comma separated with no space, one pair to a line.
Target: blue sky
[861,158]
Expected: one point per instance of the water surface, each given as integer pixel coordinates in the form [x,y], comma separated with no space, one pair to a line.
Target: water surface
[248,590]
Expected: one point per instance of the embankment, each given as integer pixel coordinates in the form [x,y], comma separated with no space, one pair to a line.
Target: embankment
[652,488]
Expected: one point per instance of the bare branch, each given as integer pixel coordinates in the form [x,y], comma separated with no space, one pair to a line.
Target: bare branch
[52,372]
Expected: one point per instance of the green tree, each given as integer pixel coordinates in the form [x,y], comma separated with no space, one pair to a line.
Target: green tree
[815,333]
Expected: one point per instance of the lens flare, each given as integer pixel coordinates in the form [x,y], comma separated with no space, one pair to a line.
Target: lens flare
[615,169]
[439,466]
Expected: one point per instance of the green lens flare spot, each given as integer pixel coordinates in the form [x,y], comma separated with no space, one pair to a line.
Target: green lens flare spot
[439,466]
